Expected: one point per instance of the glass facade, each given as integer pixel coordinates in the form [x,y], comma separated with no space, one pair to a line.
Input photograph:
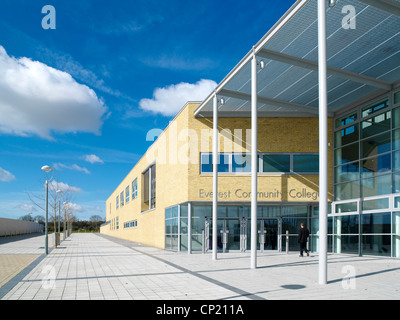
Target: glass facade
[233,218]
[367,180]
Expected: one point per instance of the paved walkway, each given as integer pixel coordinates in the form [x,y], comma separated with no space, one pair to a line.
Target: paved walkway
[95,267]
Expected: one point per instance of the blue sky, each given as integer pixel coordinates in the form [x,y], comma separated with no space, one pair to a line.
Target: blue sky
[82,97]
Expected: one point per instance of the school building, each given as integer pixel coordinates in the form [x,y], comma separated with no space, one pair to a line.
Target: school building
[305,128]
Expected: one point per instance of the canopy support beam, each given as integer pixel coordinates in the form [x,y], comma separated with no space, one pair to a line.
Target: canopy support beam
[269,101]
[385,5]
[335,72]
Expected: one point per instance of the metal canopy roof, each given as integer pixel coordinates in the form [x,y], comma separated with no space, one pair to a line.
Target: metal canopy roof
[361,61]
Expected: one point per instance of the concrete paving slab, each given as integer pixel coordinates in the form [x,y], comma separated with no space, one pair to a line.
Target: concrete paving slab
[96,267]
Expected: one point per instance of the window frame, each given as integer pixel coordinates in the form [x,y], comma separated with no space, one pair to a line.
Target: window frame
[260,170]
[134,189]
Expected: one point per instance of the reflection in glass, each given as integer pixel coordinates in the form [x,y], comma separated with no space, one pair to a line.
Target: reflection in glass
[375,125]
[375,204]
[346,244]
[375,145]
[376,186]
[396,234]
[306,163]
[348,190]
[346,136]
[376,165]
[376,223]
[396,116]
[376,245]
[347,224]
[346,154]
[396,139]
[276,163]
[347,172]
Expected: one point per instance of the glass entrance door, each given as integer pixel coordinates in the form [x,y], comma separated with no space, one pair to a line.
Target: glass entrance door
[269,234]
[231,235]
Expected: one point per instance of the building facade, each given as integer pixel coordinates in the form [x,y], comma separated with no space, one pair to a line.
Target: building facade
[165,201]
[317,73]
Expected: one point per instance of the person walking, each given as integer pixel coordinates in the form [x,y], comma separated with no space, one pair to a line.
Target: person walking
[302,239]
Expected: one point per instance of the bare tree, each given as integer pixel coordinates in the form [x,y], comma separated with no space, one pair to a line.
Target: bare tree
[56,200]
[96,218]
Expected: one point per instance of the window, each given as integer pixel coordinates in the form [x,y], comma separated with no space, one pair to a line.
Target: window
[127,194]
[207,164]
[276,163]
[397,97]
[267,163]
[376,124]
[134,189]
[347,172]
[153,187]
[347,135]
[117,202]
[130,224]
[305,163]
[375,108]
[363,152]
[241,162]
[347,154]
[346,120]
[121,198]
[149,187]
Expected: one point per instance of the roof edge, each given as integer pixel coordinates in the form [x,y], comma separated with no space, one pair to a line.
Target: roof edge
[293,10]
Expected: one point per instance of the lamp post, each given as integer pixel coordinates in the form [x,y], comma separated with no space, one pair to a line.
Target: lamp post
[59,216]
[46,239]
[65,220]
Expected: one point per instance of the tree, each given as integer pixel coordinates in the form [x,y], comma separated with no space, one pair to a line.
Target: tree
[96,218]
[39,219]
[27,217]
[57,202]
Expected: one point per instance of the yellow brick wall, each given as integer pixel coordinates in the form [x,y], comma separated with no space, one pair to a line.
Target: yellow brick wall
[176,155]
[171,188]
[275,135]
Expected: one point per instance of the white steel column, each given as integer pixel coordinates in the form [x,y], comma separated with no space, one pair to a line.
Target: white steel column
[254,159]
[323,144]
[189,213]
[215,178]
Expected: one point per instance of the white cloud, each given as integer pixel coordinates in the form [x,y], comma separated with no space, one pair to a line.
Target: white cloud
[6,176]
[92,158]
[169,100]
[75,167]
[36,99]
[26,207]
[74,207]
[63,187]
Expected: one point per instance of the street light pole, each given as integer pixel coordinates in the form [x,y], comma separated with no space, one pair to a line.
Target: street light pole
[58,236]
[65,219]
[46,238]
